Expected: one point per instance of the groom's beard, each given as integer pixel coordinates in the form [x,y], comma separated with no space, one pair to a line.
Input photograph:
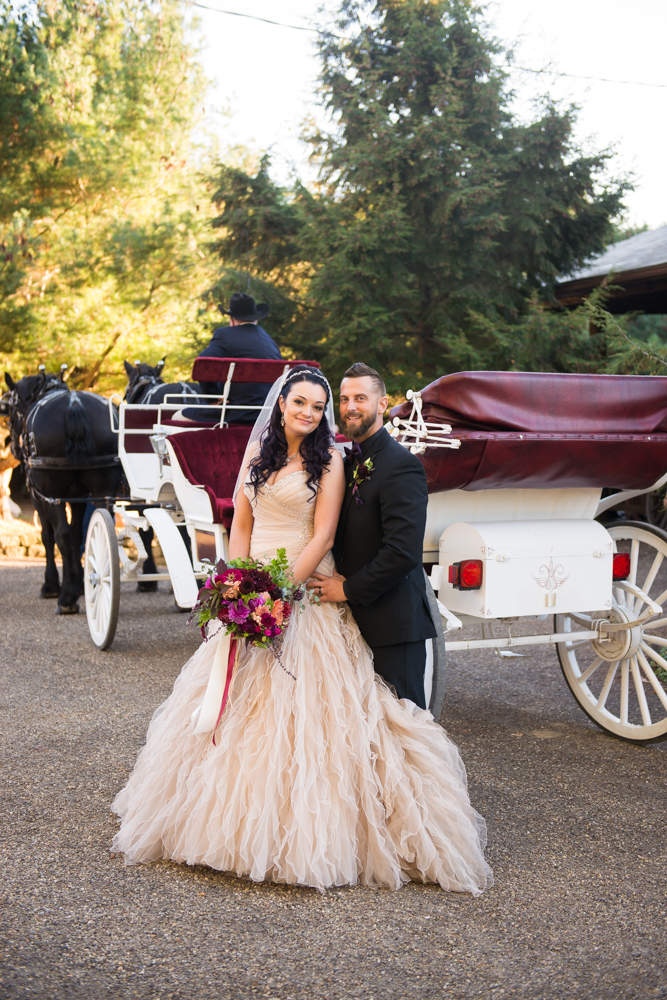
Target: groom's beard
[357,429]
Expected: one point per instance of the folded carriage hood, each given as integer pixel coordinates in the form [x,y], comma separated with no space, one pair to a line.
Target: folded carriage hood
[548,402]
[540,430]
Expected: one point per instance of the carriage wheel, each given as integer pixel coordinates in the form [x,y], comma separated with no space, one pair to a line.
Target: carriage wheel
[621,684]
[101,575]
[654,506]
[438,653]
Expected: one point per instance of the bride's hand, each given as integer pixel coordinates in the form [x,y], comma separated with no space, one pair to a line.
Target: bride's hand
[328,588]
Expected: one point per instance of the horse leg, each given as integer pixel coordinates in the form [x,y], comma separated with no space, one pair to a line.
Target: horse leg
[78,514]
[149,586]
[68,601]
[51,585]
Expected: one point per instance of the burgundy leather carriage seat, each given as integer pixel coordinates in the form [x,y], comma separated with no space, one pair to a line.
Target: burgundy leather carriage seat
[212,458]
[137,419]
[245,369]
[541,430]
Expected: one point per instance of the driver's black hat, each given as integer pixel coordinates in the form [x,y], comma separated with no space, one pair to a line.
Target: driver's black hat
[243,307]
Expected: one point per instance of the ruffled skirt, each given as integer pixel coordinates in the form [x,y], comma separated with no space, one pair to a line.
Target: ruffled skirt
[321,781]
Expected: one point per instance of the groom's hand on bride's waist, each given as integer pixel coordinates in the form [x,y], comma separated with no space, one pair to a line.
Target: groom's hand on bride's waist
[328,588]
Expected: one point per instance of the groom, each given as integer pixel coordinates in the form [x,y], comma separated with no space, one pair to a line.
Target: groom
[378,547]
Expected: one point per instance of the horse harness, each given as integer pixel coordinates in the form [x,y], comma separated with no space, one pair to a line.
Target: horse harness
[29,456]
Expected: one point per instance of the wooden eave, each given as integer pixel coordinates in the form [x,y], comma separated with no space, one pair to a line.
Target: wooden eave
[649,283]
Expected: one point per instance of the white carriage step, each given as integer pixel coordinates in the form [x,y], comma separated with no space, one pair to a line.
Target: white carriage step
[176,555]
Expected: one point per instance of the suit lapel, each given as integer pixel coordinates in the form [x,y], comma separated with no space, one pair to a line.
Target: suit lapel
[378,445]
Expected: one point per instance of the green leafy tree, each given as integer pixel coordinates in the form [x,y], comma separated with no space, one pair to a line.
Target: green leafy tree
[101,190]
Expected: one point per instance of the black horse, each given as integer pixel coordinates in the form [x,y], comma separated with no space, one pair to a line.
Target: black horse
[69,452]
[146,385]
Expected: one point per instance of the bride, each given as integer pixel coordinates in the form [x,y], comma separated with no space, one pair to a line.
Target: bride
[321,779]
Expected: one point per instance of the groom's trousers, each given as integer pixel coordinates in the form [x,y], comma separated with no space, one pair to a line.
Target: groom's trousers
[403,665]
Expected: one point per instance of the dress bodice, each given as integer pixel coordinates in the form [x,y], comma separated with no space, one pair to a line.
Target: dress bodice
[284,517]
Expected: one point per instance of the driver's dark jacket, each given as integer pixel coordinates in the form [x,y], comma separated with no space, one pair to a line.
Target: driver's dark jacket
[246,341]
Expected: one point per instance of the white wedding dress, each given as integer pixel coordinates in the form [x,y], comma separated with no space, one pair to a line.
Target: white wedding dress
[321,781]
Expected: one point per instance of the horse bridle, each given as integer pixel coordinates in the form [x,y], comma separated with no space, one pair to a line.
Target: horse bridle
[144,381]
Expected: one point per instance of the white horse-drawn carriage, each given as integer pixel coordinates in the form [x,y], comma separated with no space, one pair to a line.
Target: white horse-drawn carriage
[517,464]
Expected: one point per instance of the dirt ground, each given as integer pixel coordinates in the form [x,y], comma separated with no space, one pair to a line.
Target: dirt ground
[576,839]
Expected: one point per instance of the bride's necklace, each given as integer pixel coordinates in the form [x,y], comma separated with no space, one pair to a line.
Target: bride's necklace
[290,458]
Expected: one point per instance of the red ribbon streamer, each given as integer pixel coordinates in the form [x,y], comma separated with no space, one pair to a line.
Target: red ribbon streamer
[230,670]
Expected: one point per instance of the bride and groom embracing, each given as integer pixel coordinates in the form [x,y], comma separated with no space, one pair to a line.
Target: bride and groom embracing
[331,772]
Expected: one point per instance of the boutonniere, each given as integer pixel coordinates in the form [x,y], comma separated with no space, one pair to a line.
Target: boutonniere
[361,474]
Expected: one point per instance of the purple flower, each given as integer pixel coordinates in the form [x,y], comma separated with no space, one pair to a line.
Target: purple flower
[254,603]
[239,614]
[208,585]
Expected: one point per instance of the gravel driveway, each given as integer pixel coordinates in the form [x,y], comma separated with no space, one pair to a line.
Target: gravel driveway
[576,839]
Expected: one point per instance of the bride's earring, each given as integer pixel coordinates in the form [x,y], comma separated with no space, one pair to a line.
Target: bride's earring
[282,420]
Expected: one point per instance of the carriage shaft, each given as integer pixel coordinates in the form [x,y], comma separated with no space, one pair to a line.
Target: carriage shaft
[523,640]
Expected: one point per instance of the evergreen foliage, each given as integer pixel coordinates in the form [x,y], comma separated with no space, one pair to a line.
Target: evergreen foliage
[430,243]
[440,223]
[447,217]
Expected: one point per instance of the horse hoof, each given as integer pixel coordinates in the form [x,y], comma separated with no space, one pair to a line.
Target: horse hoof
[49,593]
[63,609]
[150,587]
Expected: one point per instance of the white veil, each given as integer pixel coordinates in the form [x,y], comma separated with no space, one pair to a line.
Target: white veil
[264,417]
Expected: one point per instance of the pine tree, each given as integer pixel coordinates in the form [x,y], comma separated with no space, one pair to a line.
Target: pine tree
[439,217]
[259,229]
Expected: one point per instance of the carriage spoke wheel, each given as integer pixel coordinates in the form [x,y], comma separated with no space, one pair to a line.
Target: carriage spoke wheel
[101,572]
[621,684]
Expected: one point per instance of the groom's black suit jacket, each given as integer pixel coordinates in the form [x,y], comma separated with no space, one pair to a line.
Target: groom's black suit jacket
[379,543]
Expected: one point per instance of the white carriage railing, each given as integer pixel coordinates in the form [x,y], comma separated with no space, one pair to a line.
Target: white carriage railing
[416,434]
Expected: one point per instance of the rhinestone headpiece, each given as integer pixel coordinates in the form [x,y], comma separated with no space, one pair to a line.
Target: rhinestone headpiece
[296,372]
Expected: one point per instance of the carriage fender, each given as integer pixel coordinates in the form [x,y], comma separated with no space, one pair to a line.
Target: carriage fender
[180,569]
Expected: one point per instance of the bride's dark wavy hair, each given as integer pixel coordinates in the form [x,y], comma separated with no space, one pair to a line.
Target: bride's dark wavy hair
[314,448]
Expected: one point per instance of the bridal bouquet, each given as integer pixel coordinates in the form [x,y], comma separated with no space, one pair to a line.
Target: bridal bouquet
[253,600]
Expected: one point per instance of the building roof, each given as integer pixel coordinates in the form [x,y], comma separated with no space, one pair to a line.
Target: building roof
[643,250]
[639,266]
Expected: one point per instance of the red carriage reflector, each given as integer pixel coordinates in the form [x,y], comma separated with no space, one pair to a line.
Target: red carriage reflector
[466,575]
[471,574]
[621,569]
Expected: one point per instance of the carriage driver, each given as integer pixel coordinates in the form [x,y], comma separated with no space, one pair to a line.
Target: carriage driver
[243,338]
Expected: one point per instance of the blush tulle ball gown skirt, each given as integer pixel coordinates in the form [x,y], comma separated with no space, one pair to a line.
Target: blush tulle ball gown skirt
[322,780]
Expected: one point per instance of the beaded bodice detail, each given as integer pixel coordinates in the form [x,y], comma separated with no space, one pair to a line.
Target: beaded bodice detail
[284,514]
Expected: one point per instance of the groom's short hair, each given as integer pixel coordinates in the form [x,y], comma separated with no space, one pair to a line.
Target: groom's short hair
[360,370]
